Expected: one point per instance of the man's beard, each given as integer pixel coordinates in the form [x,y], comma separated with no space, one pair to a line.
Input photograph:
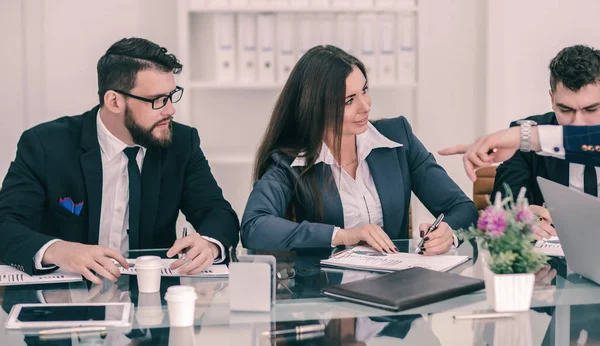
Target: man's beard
[144,137]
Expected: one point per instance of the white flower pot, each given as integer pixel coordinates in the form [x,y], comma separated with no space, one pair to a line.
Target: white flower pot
[509,292]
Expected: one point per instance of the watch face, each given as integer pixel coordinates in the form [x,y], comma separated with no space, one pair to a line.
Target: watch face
[525,121]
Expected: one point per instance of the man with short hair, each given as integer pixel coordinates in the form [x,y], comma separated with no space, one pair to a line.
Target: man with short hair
[85,189]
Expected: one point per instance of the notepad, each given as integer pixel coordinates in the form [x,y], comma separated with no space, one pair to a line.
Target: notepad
[10,276]
[214,271]
[550,247]
[367,258]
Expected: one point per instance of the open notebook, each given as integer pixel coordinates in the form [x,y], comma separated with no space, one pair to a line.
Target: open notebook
[367,258]
[10,276]
[214,271]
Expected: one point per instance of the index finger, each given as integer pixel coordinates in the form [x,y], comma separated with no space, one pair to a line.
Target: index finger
[179,245]
[457,149]
[116,255]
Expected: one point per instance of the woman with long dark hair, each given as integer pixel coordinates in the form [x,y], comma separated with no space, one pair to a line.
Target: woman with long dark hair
[326,176]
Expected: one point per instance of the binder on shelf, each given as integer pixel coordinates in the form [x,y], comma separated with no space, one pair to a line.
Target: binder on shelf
[362,3]
[305,28]
[281,3]
[346,29]
[342,3]
[217,3]
[367,53]
[266,48]
[387,48]
[407,54]
[238,3]
[224,25]
[320,3]
[324,32]
[286,58]
[259,3]
[386,3]
[247,55]
[300,3]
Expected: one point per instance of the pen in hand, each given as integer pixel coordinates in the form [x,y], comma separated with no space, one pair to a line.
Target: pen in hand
[183,251]
[432,228]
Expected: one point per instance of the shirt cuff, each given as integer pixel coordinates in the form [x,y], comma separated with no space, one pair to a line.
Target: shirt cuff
[551,141]
[37,259]
[335,230]
[223,253]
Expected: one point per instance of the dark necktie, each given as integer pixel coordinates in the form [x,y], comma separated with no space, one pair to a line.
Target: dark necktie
[590,182]
[135,197]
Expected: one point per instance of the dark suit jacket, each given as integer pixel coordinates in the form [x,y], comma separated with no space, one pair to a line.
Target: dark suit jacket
[396,172]
[582,144]
[522,169]
[61,158]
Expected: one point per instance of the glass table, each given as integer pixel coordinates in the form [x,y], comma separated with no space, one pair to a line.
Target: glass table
[565,310]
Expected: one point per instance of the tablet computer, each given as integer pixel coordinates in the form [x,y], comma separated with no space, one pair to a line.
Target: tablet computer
[36,316]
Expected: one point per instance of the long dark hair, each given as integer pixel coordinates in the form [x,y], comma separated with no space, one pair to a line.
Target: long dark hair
[311,102]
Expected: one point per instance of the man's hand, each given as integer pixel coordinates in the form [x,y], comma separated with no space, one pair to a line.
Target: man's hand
[487,150]
[371,234]
[437,242]
[82,259]
[200,254]
[544,228]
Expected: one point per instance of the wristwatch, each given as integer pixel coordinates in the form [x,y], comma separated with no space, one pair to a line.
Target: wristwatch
[526,134]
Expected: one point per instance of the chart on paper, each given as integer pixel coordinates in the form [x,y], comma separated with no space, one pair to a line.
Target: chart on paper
[550,247]
[10,276]
[214,271]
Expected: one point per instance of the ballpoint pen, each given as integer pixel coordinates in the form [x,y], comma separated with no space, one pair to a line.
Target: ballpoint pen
[298,331]
[432,228]
[183,251]
[484,316]
[57,331]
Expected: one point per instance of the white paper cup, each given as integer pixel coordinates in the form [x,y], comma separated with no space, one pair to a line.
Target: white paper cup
[182,336]
[149,309]
[181,302]
[148,273]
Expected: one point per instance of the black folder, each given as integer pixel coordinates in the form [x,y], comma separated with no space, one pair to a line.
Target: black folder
[405,289]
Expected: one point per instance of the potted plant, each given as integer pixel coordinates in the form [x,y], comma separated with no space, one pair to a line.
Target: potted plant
[504,234]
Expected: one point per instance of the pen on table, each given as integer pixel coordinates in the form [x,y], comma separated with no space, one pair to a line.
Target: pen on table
[299,330]
[184,250]
[57,331]
[484,316]
[432,228]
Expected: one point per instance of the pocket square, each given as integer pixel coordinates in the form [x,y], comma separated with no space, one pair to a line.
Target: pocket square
[67,203]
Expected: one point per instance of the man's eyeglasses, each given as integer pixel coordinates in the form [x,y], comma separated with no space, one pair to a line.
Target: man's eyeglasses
[160,101]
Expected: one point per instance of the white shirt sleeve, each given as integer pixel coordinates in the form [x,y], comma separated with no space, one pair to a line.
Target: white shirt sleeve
[37,259]
[335,230]
[218,243]
[551,141]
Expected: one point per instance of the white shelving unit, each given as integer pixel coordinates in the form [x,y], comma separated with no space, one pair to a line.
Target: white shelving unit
[231,116]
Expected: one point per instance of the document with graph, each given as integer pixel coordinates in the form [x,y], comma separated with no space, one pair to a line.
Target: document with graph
[367,258]
[10,276]
[214,271]
[550,247]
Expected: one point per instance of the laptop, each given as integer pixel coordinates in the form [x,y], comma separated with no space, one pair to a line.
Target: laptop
[576,218]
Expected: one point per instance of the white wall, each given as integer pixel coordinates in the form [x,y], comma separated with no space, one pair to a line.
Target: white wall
[523,36]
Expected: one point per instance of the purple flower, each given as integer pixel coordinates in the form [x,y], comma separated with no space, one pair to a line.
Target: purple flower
[524,215]
[492,220]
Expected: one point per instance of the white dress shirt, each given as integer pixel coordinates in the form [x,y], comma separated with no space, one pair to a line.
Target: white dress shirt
[551,144]
[114,215]
[360,200]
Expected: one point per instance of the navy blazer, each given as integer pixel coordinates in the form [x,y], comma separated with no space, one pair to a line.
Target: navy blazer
[582,144]
[523,168]
[62,159]
[396,172]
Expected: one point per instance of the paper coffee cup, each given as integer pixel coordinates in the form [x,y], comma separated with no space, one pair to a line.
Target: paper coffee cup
[148,273]
[181,302]
[149,309]
[182,336]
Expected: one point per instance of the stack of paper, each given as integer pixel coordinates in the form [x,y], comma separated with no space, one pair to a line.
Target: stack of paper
[10,276]
[367,258]
[550,247]
[214,271]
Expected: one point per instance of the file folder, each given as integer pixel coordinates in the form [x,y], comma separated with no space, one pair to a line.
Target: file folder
[217,3]
[363,3]
[319,3]
[367,50]
[346,32]
[266,48]
[279,3]
[387,48]
[386,3]
[342,3]
[305,28]
[325,29]
[407,48]
[300,3]
[224,25]
[238,3]
[259,3]
[286,58]
[247,55]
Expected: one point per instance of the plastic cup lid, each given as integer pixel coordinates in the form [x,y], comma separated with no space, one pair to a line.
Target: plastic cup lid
[180,293]
[148,262]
